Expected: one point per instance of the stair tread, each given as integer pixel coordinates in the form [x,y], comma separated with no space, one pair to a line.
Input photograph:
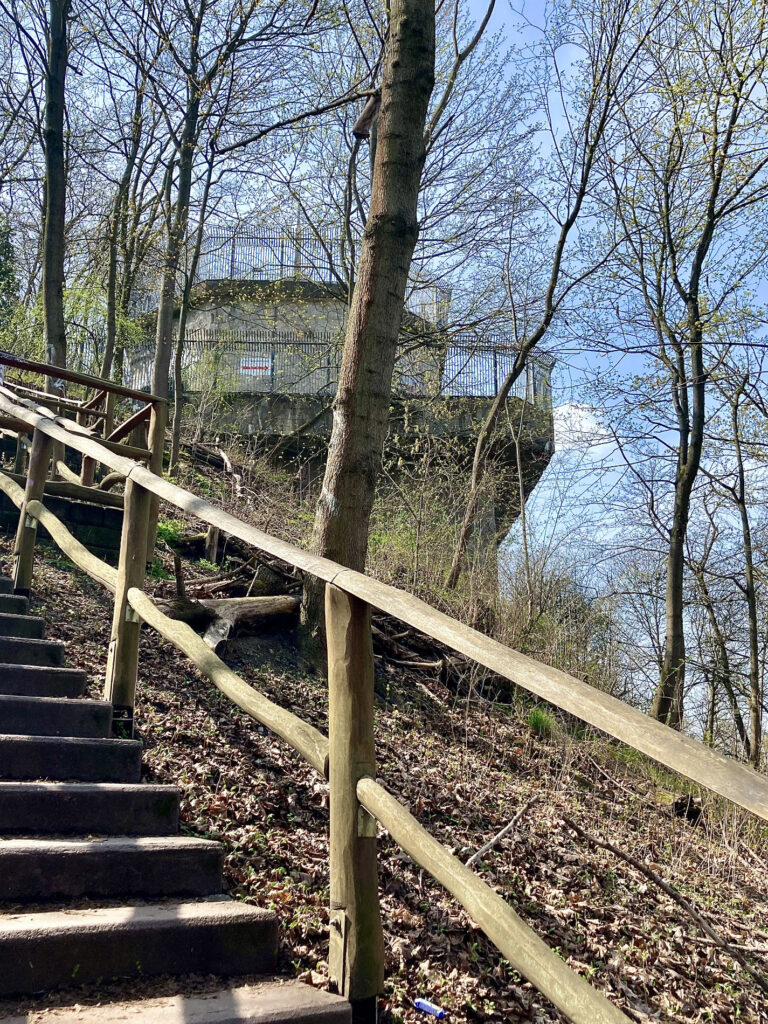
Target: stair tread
[103,742]
[52,924]
[53,669]
[267,1002]
[88,808]
[40,680]
[28,641]
[43,870]
[23,650]
[53,702]
[52,948]
[22,715]
[20,626]
[83,758]
[73,788]
[12,617]
[128,844]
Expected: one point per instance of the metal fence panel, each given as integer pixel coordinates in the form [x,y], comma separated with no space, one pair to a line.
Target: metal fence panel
[268,256]
[275,362]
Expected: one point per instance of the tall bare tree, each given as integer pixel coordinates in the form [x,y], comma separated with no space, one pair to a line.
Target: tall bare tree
[361,407]
[688,164]
[611,37]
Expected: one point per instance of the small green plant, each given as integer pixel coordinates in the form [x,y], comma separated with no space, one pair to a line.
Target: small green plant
[541,723]
[170,531]
[203,563]
[156,571]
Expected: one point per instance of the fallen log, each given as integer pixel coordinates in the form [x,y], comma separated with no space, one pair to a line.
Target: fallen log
[219,618]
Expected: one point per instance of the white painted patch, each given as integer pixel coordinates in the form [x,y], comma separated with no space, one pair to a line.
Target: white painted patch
[330,501]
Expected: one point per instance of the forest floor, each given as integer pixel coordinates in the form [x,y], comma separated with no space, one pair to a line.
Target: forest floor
[465,766]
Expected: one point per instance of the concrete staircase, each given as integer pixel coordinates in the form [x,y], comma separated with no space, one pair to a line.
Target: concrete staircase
[96,883]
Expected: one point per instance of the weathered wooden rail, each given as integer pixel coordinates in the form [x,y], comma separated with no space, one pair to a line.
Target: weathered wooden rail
[347,757]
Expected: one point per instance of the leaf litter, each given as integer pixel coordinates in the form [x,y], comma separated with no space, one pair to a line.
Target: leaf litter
[465,767]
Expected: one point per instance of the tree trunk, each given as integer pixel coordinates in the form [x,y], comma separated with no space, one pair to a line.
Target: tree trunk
[361,408]
[178,383]
[750,589]
[668,700]
[55,189]
[723,670]
[478,473]
[115,224]
[109,347]
[176,235]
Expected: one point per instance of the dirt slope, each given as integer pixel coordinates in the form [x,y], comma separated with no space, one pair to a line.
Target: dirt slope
[465,767]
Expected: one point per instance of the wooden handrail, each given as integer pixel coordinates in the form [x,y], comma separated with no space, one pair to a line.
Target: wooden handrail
[722,775]
[93,403]
[73,377]
[133,421]
[51,400]
[69,489]
[72,428]
[304,738]
[70,545]
[348,757]
[518,942]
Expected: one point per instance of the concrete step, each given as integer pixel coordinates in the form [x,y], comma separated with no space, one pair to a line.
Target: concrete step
[40,681]
[14,604]
[21,625]
[47,950]
[21,651]
[36,870]
[276,1002]
[70,758]
[54,716]
[108,809]
[6,585]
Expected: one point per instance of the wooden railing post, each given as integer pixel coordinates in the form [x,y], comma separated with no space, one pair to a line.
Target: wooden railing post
[212,544]
[156,443]
[87,466]
[20,458]
[110,401]
[26,533]
[356,956]
[123,657]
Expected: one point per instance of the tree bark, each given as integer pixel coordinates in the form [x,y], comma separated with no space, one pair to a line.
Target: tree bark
[115,222]
[176,234]
[750,591]
[178,383]
[668,700]
[55,189]
[361,408]
[722,673]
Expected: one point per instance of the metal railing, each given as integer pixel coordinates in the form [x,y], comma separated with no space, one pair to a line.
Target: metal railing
[279,362]
[281,255]
[269,256]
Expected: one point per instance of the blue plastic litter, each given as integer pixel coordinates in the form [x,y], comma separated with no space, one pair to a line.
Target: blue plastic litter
[427,1007]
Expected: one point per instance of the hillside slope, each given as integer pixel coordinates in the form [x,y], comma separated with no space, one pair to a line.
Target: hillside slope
[465,767]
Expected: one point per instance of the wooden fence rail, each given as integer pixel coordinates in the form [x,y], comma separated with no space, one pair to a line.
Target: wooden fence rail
[347,757]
